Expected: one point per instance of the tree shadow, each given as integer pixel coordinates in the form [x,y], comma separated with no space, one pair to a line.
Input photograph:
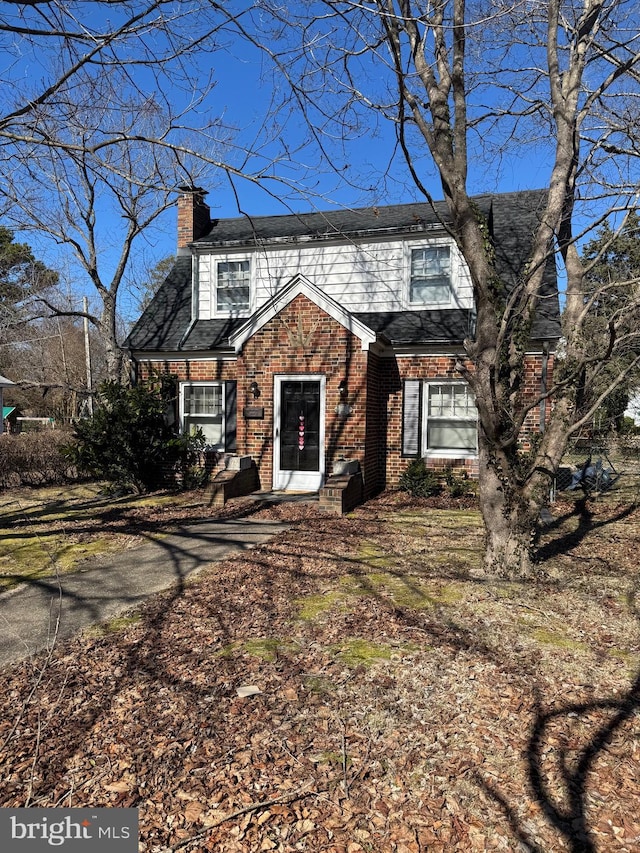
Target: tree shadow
[563,796]
[569,819]
[565,540]
[118,582]
[157,656]
[180,666]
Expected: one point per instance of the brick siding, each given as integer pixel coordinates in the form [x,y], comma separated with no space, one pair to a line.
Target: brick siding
[303,339]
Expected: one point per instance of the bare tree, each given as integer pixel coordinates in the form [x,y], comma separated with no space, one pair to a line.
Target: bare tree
[104,112]
[56,53]
[98,207]
[132,59]
[48,367]
[462,82]
[93,116]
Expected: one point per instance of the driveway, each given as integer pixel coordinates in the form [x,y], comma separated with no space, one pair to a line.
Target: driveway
[107,586]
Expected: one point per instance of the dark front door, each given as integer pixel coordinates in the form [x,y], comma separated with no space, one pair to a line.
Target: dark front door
[300,425]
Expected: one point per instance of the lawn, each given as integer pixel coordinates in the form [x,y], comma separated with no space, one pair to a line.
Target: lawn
[44,530]
[401,700]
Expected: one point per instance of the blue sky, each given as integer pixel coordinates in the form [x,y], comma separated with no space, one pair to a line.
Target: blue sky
[366,171]
[241,98]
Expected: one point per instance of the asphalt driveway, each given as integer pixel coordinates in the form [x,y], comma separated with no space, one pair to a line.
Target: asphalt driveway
[105,587]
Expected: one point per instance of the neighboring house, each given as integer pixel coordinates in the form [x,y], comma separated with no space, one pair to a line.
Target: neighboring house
[4,383]
[301,340]
[633,408]
[10,414]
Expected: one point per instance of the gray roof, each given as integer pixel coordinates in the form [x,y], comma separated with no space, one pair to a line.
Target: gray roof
[166,318]
[513,220]
[513,217]
[330,225]
[415,327]
[165,324]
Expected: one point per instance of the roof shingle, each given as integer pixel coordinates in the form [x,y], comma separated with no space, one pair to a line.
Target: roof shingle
[166,323]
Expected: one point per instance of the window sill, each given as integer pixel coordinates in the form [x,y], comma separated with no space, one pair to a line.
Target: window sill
[231,315]
[450,454]
[429,306]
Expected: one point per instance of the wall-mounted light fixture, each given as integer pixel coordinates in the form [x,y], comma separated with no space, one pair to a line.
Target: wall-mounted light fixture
[343,409]
[254,389]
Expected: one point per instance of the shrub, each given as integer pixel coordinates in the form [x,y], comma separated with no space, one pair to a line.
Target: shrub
[629,427]
[419,480]
[457,485]
[128,441]
[34,458]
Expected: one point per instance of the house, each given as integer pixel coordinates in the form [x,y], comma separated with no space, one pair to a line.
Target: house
[10,415]
[4,383]
[633,408]
[304,340]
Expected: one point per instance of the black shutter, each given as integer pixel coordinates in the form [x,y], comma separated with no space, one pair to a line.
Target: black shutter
[411,417]
[230,416]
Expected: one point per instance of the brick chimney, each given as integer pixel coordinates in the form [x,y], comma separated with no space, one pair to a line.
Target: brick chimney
[194,215]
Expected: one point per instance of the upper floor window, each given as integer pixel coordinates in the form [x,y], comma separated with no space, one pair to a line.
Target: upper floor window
[430,275]
[233,287]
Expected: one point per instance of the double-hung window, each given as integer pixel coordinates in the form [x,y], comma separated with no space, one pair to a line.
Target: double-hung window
[430,276]
[202,407]
[233,287]
[438,419]
[450,417]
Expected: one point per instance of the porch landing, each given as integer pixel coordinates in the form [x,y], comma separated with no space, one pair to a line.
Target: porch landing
[338,495]
[281,497]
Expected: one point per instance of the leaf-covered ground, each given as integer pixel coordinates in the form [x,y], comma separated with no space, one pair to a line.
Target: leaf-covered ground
[406,702]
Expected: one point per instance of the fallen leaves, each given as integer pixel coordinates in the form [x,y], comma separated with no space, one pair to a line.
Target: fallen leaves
[233,717]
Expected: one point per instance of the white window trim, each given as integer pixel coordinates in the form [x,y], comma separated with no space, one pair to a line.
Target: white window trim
[442,453]
[202,383]
[283,478]
[213,261]
[409,247]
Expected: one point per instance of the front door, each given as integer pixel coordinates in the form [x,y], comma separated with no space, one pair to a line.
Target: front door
[298,432]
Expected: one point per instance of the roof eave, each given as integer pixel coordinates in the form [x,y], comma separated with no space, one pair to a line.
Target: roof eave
[373,233]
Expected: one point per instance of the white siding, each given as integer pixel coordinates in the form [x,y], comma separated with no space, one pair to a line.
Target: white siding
[205,287]
[361,277]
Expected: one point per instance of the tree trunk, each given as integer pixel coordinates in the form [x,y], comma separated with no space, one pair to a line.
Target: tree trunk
[113,359]
[510,517]
[112,350]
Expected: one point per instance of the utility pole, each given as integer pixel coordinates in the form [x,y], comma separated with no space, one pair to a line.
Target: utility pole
[87,354]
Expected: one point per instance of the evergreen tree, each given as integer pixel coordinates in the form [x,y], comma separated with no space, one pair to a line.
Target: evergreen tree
[23,279]
[129,439]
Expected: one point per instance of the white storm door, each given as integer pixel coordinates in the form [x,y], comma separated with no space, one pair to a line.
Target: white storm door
[298,441]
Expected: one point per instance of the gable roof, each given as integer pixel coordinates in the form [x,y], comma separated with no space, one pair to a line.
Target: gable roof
[299,285]
[166,325]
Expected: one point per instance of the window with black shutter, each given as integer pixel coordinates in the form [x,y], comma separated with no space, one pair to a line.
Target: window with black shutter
[411,417]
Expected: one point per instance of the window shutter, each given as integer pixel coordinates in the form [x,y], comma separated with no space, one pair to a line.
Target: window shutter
[230,416]
[411,417]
